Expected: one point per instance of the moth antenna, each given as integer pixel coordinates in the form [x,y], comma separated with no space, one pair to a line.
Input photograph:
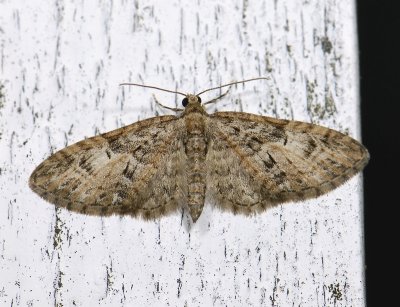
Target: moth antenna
[231,83]
[155,87]
[217,98]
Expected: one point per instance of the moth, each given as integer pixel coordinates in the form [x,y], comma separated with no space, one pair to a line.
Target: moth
[240,162]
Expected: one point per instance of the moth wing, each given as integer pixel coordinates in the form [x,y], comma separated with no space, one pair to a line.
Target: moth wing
[256,162]
[135,170]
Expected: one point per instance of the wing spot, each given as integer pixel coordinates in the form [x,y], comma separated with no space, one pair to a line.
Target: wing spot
[269,163]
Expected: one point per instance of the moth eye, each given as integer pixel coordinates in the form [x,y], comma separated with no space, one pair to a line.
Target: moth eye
[185,101]
[199,99]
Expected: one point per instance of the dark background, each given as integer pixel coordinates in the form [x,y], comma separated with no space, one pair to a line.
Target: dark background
[379,36]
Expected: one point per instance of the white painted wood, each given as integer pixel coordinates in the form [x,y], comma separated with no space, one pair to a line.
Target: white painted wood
[60,65]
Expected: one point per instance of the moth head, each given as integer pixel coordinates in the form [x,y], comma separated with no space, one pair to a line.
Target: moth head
[192,103]
[191,99]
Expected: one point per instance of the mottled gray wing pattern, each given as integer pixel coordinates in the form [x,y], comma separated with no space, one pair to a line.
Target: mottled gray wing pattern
[255,162]
[135,170]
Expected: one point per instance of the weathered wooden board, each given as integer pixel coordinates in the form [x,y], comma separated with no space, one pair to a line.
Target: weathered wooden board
[60,66]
